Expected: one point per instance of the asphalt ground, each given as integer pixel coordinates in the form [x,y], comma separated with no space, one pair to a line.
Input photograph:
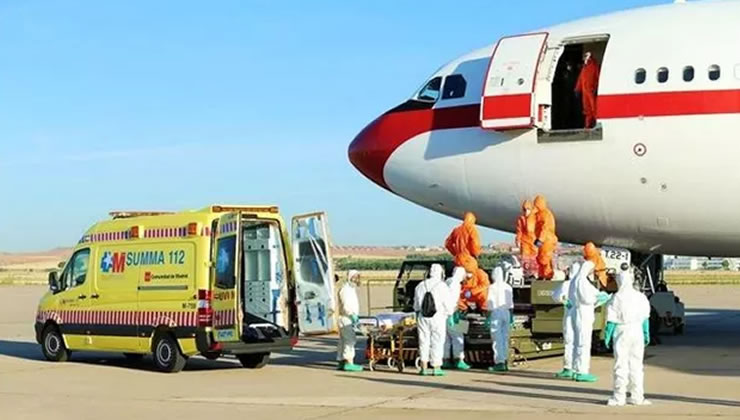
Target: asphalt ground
[696,375]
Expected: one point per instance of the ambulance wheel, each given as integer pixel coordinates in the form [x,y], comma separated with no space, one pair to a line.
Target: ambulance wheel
[133,357]
[254,361]
[167,355]
[417,363]
[52,345]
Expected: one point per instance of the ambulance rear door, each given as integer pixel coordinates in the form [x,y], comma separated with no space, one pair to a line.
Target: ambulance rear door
[227,316]
[314,273]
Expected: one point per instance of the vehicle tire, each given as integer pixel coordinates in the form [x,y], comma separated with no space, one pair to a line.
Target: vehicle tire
[254,361]
[52,345]
[133,357]
[211,355]
[167,355]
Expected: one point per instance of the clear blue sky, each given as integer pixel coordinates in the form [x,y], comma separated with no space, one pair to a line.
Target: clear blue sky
[178,104]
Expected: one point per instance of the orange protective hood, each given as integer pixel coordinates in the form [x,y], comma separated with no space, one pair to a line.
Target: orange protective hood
[590,250]
[469,219]
[540,203]
[526,205]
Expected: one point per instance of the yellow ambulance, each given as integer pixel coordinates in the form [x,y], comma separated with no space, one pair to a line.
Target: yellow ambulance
[221,280]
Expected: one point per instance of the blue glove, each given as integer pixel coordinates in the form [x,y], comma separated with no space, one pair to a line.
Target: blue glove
[602,298]
[355,319]
[450,322]
[456,317]
[568,305]
[646,331]
[468,294]
[537,243]
[609,333]
[511,321]
[487,322]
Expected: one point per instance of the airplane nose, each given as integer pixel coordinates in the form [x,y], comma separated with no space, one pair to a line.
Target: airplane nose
[369,151]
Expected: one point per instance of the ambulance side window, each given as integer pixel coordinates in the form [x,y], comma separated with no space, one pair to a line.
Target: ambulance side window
[75,272]
[225,260]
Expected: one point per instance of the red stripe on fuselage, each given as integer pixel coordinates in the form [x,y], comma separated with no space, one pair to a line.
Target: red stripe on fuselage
[667,104]
[372,147]
[507,106]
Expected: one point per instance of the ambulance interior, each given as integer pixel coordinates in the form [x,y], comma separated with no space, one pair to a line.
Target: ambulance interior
[567,110]
[263,274]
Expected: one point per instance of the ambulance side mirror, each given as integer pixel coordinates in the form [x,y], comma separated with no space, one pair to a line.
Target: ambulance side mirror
[53,282]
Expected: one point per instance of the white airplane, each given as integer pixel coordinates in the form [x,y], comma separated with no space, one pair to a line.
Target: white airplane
[657,175]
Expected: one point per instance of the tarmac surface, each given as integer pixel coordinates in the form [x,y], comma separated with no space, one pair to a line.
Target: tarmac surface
[696,375]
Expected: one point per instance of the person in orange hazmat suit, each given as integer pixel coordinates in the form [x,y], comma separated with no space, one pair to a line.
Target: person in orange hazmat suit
[546,241]
[591,253]
[587,86]
[525,237]
[464,244]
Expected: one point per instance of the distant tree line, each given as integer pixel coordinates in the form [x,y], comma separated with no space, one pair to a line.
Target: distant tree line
[488,260]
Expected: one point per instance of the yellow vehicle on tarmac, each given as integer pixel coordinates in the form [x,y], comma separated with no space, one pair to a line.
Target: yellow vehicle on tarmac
[221,280]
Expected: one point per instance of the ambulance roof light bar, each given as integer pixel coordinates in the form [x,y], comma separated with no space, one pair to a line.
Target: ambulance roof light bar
[254,209]
[130,214]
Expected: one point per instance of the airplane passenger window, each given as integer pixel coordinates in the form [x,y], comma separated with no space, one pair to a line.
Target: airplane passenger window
[430,92]
[688,73]
[662,75]
[714,72]
[640,76]
[454,87]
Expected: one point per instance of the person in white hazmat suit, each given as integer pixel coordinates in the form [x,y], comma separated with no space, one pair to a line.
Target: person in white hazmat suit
[349,309]
[454,353]
[500,319]
[431,318]
[628,322]
[584,297]
[560,295]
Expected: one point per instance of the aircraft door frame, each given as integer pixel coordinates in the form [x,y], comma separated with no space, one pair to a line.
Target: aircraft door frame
[507,101]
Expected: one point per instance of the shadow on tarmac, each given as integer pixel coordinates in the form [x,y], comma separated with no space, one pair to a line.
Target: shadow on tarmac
[535,391]
[21,350]
[469,388]
[709,346]
[315,353]
[606,394]
[32,351]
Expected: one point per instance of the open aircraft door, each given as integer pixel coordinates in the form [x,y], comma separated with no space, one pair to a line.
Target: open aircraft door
[227,314]
[314,274]
[508,90]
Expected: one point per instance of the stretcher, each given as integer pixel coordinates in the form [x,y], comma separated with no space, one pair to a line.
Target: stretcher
[391,339]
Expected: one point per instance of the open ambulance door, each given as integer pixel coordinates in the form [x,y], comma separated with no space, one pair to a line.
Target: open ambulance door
[508,90]
[314,274]
[227,315]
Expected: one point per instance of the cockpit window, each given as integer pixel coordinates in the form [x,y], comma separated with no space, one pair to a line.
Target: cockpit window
[430,92]
[454,87]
